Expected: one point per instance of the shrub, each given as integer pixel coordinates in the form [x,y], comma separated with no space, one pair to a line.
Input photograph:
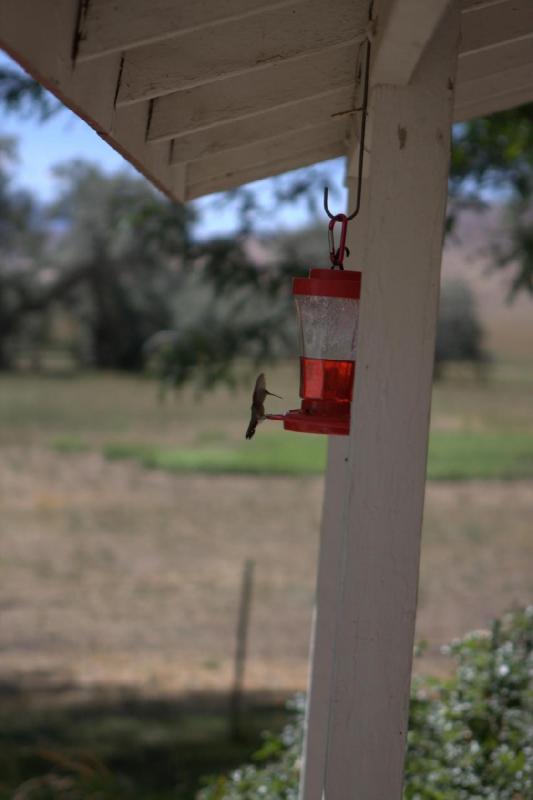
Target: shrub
[470,736]
[459,332]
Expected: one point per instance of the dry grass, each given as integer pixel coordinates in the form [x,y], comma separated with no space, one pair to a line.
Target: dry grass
[113,575]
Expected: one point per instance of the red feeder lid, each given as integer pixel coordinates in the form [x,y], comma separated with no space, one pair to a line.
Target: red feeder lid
[329,283]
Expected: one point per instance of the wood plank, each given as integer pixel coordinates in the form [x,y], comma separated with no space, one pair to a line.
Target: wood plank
[491,26]
[110,27]
[494,86]
[251,45]
[128,130]
[256,173]
[469,4]
[266,152]
[179,181]
[245,95]
[390,423]
[485,106]
[231,135]
[404,28]
[499,58]
[40,36]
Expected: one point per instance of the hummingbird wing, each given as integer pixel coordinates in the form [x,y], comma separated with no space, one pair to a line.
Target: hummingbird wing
[260,391]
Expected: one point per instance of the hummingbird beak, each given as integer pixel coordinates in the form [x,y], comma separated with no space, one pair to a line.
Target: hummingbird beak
[275,395]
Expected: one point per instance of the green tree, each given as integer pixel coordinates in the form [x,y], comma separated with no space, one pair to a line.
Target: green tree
[128,246]
[492,159]
[21,245]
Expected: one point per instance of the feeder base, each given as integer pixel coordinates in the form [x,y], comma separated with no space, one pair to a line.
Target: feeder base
[315,416]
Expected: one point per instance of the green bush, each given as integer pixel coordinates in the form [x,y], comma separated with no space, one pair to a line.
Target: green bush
[470,736]
[459,332]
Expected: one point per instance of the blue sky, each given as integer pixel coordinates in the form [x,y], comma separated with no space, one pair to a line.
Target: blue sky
[64,137]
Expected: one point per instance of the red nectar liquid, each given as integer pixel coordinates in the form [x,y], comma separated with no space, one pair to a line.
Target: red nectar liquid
[326,379]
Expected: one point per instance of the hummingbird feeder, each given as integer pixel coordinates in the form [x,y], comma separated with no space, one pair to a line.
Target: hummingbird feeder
[327,304]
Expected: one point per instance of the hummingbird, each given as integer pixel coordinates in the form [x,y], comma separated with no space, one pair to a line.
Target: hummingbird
[258,404]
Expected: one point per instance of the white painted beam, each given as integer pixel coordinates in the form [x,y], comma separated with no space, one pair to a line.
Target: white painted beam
[243,96]
[111,27]
[490,26]
[283,164]
[324,621]
[404,28]
[329,564]
[298,116]
[390,422]
[253,44]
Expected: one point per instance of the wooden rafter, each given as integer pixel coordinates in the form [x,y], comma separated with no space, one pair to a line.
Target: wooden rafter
[252,45]
[266,152]
[111,27]
[491,26]
[500,58]
[282,164]
[245,95]
[172,84]
[299,116]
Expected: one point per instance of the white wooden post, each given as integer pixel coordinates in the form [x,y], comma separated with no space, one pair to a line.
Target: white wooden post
[329,570]
[324,622]
[388,443]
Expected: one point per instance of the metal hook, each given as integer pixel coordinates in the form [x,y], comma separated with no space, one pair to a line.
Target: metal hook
[364,113]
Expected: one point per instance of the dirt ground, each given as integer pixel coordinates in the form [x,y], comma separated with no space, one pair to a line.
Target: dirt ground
[112,575]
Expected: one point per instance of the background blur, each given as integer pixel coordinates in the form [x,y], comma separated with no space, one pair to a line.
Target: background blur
[131,332]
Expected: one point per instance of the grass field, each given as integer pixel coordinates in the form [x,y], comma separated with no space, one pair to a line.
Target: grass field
[119,583]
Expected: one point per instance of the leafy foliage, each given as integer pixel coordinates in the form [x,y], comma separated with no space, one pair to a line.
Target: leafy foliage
[20,93]
[492,157]
[470,737]
[227,309]
[127,244]
[22,291]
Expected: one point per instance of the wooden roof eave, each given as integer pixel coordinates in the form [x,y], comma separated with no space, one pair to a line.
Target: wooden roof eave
[203,96]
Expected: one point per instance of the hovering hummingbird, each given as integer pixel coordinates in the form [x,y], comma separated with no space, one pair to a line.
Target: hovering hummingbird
[258,404]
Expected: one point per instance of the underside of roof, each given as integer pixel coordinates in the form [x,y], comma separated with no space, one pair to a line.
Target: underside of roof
[204,95]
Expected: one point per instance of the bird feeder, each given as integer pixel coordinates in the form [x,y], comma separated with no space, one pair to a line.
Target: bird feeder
[327,304]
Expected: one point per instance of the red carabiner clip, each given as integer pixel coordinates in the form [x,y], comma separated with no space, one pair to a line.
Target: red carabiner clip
[337,254]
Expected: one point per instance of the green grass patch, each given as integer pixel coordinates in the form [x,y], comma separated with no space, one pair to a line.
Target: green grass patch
[272,454]
[453,455]
[463,455]
[70,444]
